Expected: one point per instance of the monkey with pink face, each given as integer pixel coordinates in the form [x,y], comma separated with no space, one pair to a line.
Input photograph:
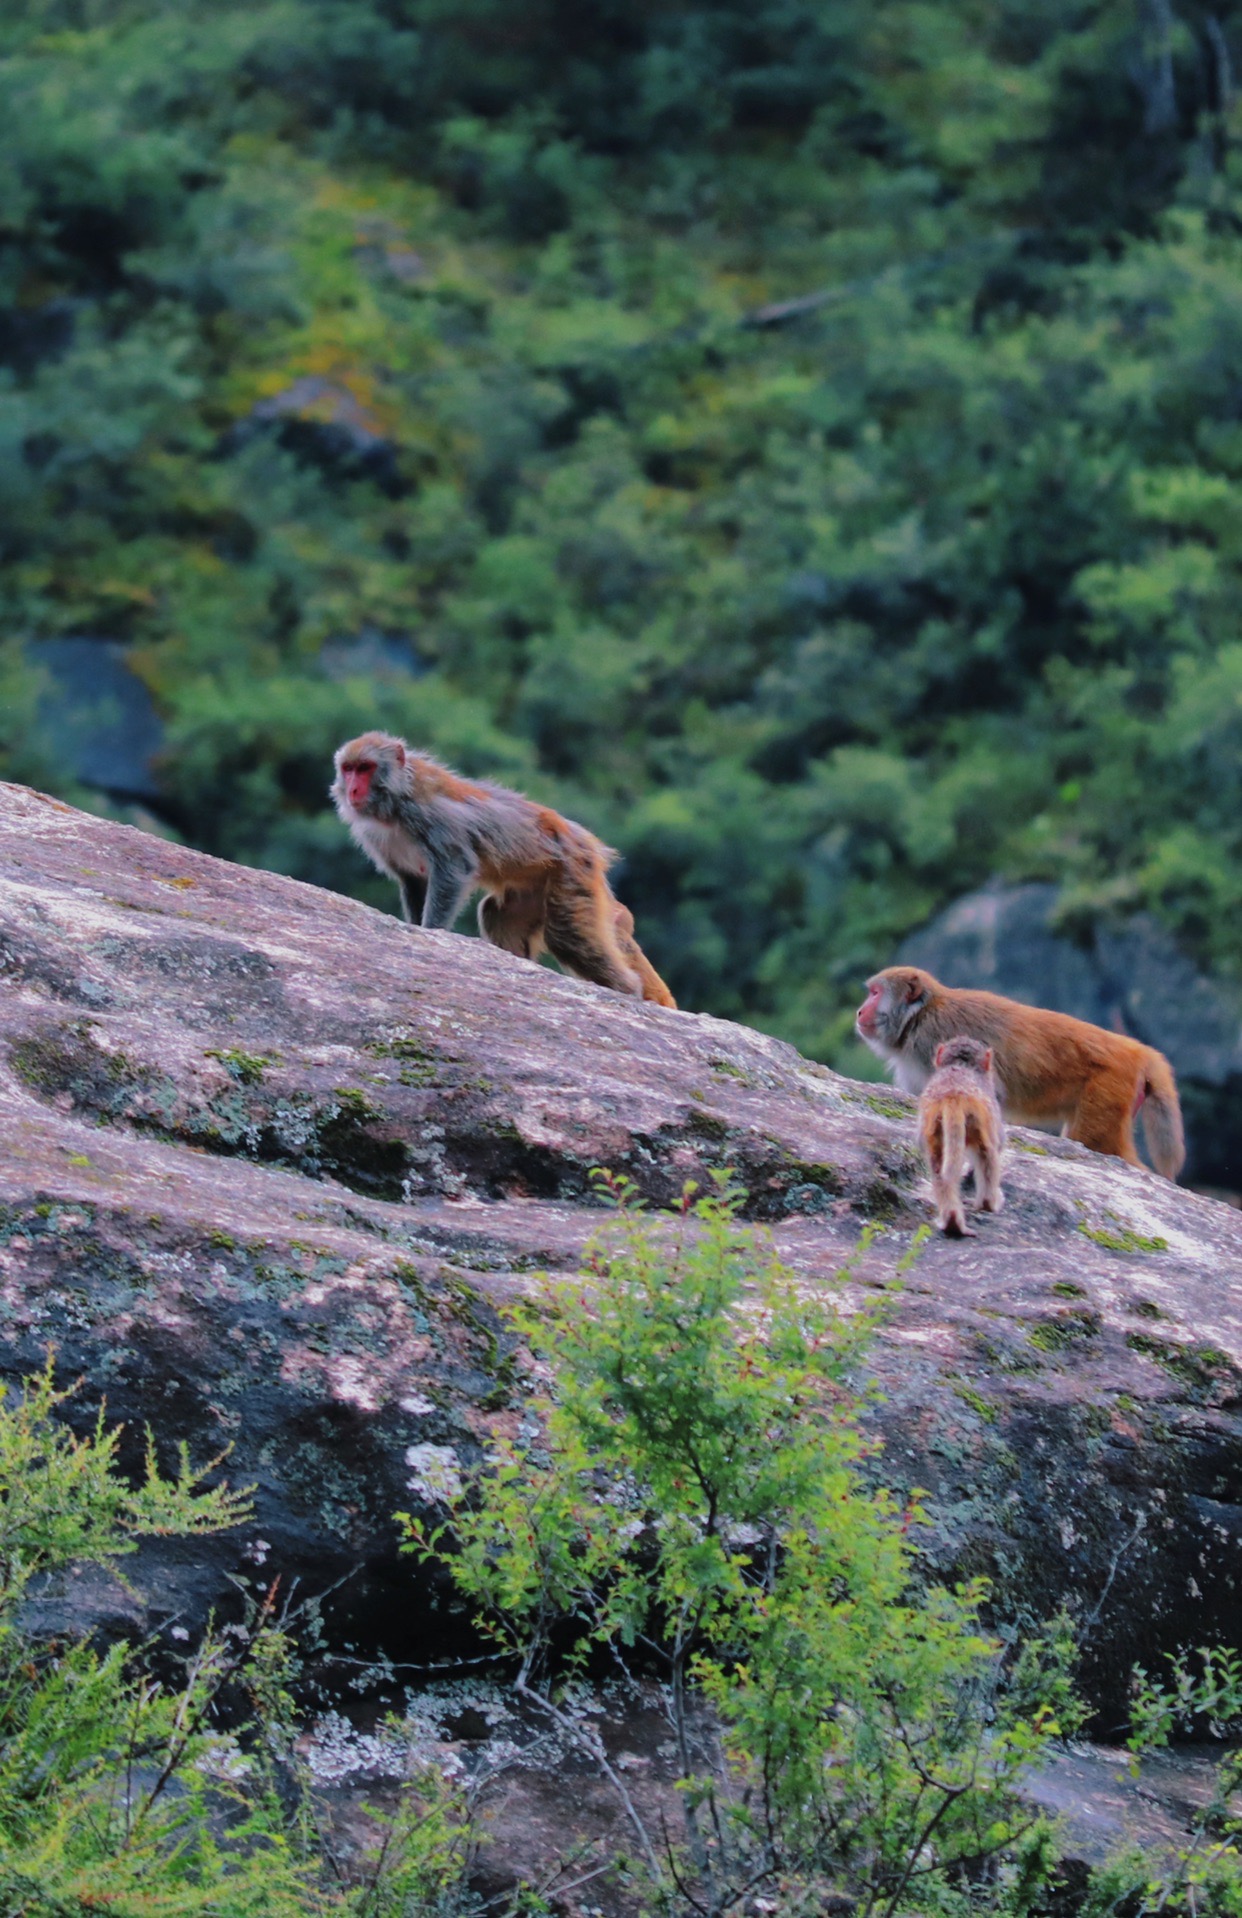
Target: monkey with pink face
[543,877]
[1051,1069]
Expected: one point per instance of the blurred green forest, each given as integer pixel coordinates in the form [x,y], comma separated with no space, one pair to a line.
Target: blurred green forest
[427,363]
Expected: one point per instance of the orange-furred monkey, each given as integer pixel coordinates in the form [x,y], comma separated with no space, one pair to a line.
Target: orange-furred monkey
[1050,1068]
[960,1130]
[544,878]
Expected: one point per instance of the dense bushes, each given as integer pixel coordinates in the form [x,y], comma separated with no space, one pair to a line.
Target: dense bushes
[691,1504]
[120,1790]
[386,362]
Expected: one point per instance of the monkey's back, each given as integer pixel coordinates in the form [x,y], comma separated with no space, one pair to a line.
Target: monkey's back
[514,838]
[958,1088]
[1053,1045]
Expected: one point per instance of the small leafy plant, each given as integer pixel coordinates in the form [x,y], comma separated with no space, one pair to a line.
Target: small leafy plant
[694,1503]
[1201,1878]
[121,1793]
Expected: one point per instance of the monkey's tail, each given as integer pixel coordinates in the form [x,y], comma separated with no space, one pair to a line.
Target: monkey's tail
[1162,1115]
[953,1144]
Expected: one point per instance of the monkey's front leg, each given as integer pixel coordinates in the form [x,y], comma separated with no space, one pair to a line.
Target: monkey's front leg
[413,897]
[448,888]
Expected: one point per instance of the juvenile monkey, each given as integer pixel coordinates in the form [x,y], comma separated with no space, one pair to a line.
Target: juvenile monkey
[1050,1068]
[544,878]
[960,1130]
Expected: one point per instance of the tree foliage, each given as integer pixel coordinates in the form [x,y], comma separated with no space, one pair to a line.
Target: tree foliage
[386,361]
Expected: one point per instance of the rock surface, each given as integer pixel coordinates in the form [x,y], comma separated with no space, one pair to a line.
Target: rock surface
[1131,977]
[273,1162]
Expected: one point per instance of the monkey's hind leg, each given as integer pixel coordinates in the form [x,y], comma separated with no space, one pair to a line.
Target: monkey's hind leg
[653,986]
[1104,1117]
[580,934]
[950,1211]
[413,891]
[987,1178]
[515,920]
[984,1156]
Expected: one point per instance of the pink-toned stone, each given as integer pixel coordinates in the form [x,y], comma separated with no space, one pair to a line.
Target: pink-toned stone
[272,1161]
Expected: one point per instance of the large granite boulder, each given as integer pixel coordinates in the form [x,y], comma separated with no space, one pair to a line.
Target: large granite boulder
[100,713]
[323,423]
[1128,975]
[274,1162]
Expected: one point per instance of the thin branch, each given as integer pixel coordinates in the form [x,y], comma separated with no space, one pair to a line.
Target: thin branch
[1224,65]
[225,1671]
[781,312]
[590,1741]
[950,1797]
[1152,68]
[555,1877]
[680,1884]
[383,1666]
[1092,1618]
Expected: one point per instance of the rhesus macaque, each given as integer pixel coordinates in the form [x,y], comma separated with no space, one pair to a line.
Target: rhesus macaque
[543,878]
[960,1130]
[1050,1068]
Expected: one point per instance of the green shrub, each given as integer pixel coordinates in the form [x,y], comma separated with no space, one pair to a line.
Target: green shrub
[119,1792]
[1203,1877]
[695,1501]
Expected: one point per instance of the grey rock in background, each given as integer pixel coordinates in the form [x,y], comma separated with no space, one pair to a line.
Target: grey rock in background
[101,714]
[372,654]
[322,421]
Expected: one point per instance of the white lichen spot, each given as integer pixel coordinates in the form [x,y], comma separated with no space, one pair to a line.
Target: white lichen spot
[416,1405]
[435,1472]
[336,1751]
[223,1759]
[354,1383]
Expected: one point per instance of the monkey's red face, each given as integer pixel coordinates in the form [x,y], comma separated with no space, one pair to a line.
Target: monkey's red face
[368,769]
[356,778]
[866,1017]
[894,997]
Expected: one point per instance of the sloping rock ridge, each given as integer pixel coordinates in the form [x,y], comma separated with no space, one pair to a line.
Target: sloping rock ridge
[274,1162]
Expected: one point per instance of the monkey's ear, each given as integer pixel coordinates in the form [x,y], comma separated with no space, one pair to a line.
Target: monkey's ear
[914,988]
[987,1061]
[940,1054]
[398,752]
